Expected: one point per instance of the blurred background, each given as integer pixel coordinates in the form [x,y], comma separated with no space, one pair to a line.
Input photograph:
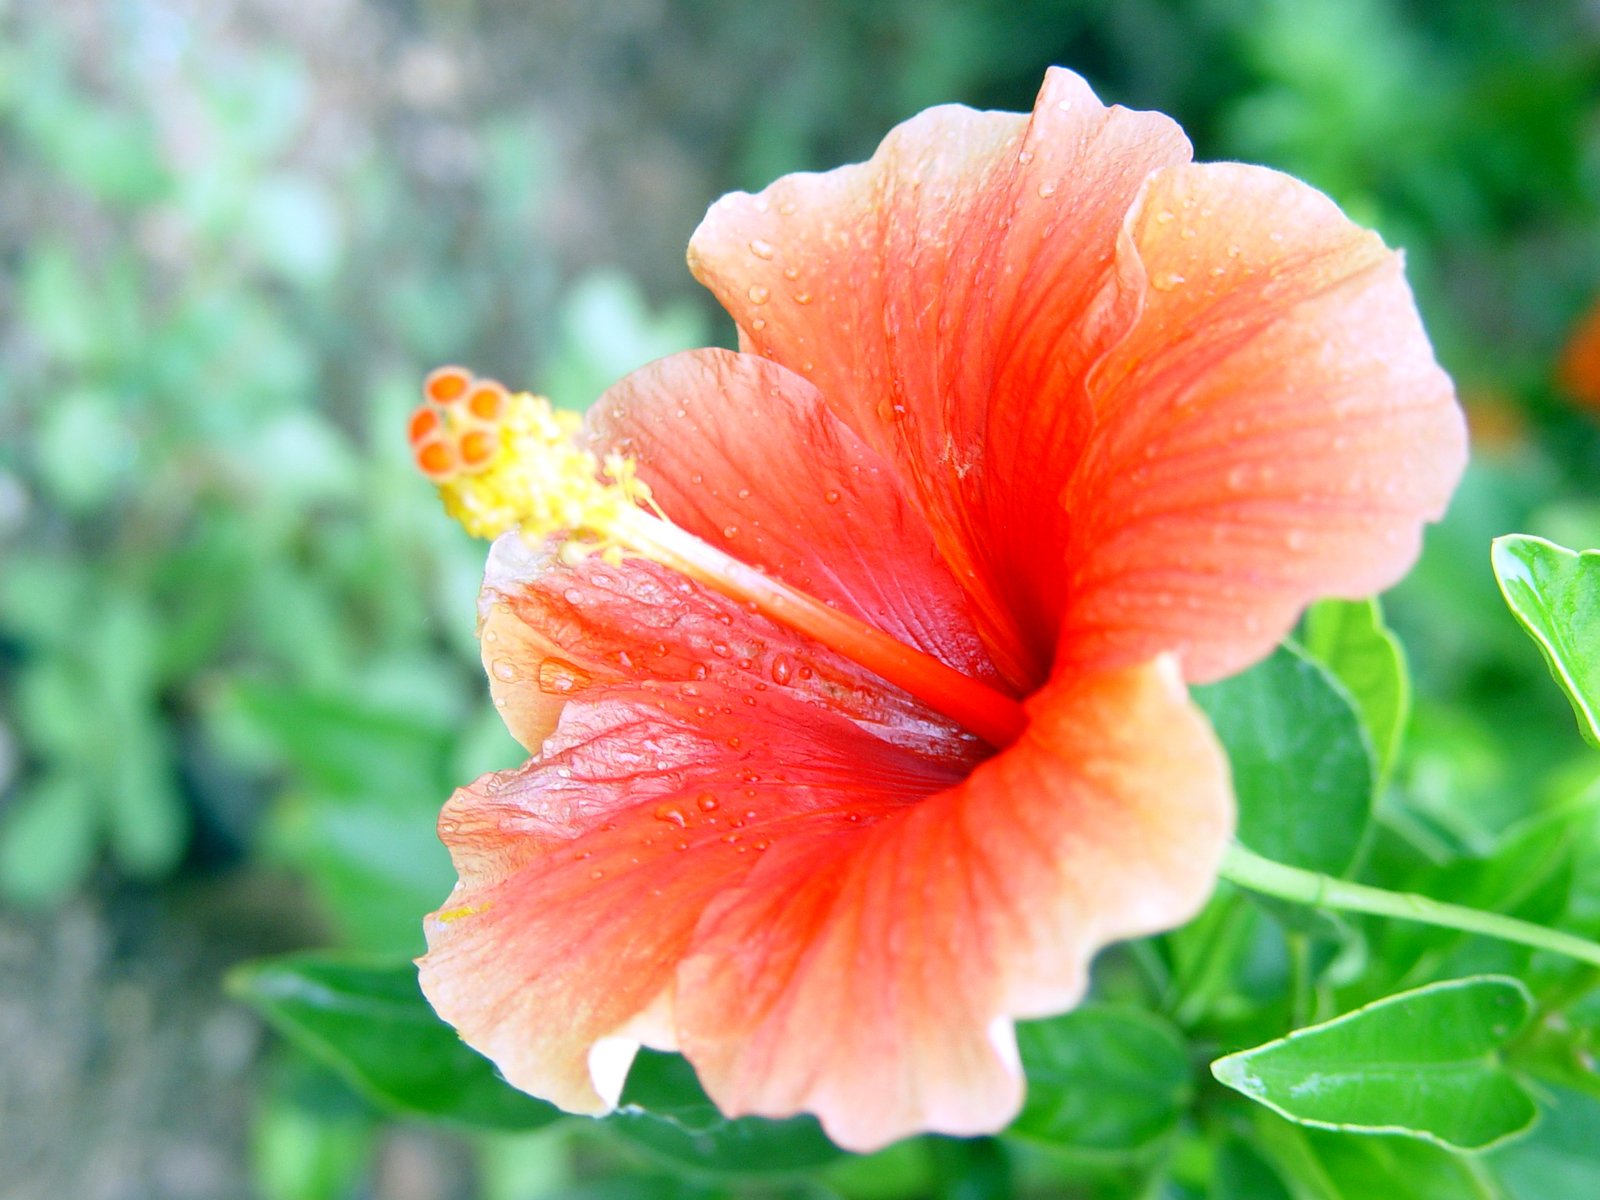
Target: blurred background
[237,666]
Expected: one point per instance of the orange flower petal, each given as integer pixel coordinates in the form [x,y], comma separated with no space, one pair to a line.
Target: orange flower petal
[743,454]
[1273,429]
[947,298]
[818,918]
[584,874]
[554,632]
[871,979]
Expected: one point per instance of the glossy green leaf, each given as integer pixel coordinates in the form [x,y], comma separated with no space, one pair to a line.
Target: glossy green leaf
[1555,593]
[370,1022]
[1351,640]
[1423,1063]
[1102,1078]
[1302,761]
[665,1110]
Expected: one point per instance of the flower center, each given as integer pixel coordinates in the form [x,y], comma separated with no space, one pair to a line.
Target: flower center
[503,461]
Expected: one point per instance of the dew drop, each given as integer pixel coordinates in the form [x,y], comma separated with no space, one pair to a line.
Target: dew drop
[1046,190]
[572,596]
[720,649]
[761,249]
[791,272]
[1165,217]
[671,814]
[698,671]
[490,637]
[558,677]
[758,324]
[782,669]
[802,297]
[730,531]
[758,293]
[734,743]
[503,670]
[830,496]
[1166,281]
[706,802]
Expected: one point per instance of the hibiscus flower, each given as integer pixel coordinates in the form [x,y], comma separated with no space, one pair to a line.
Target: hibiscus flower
[866,753]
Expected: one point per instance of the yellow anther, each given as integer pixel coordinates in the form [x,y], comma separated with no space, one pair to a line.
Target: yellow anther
[522,468]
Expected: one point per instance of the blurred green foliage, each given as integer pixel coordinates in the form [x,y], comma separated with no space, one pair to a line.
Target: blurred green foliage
[235,633]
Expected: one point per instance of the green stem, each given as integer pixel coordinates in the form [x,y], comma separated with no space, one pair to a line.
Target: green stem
[1251,871]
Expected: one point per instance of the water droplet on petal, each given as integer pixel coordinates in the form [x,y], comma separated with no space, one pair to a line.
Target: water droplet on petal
[782,669]
[758,293]
[730,531]
[504,670]
[1046,190]
[572,596]
[830,496]
[761,249]
[671,814]
[1165,281]
[706,802]
[802,297]
[558,677]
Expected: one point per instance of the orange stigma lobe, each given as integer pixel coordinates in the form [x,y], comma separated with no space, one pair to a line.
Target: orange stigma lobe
[487,401]
[436,460]
[446,385]
[477,447]
[423,424]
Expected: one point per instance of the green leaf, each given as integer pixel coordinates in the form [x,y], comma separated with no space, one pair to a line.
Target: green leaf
[370,1022]
[1555,593]
[1423,1063]
[1302,762]
[1558,1158]
[1333,1166]
[1241,1173]
[1350,638]
[47,839]
[346,745]
[1103,1079]
[665,1110]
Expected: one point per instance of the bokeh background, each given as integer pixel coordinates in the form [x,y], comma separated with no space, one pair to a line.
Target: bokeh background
[237,667]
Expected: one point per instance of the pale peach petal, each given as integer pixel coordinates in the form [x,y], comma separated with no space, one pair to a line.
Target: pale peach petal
[1272,430]
[871,979]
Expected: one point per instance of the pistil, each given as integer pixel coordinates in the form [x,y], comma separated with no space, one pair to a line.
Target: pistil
[505,461]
